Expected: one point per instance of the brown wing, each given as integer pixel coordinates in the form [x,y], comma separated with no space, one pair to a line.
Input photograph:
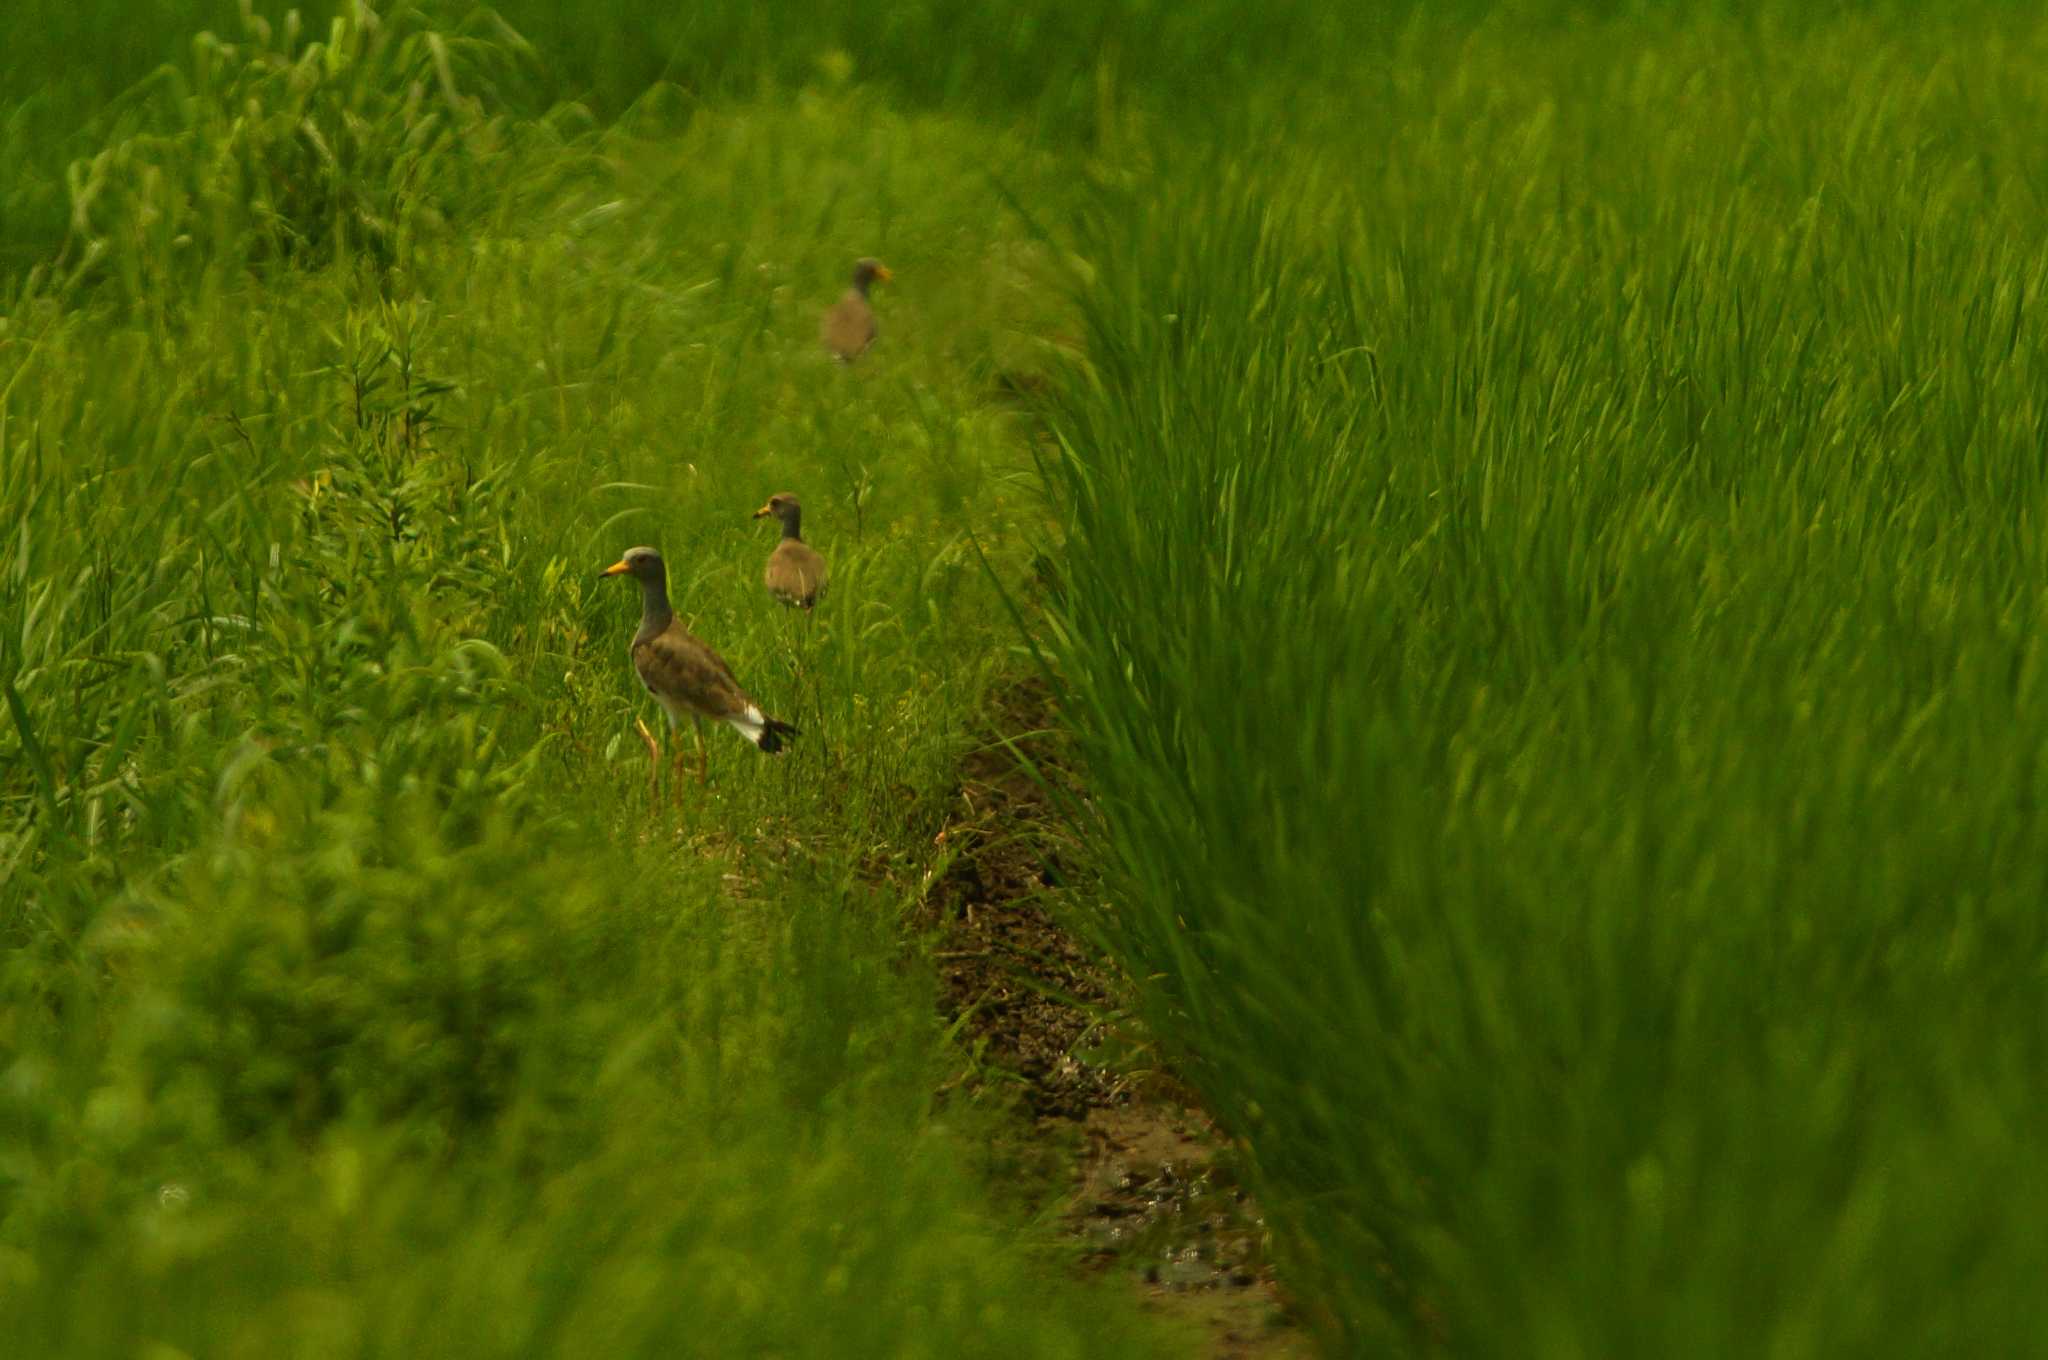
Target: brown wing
[849,328]
[795,574]
[688,677]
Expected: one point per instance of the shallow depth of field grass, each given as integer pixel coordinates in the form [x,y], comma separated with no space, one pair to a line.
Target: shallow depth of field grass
[353,1001]
[1555,609]
[1550,509]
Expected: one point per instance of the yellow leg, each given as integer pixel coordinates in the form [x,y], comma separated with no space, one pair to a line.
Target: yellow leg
[703,756]
[803,698]
[653,760]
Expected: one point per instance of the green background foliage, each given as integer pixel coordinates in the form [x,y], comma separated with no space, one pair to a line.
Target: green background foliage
[1547,504]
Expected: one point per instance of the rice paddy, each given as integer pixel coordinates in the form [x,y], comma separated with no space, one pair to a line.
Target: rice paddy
[1533,519]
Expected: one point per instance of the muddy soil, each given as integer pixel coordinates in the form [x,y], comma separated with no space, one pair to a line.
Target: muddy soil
[1142,1180]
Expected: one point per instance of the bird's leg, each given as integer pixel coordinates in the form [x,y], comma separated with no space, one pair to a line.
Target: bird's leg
[791,653]
[808,697]
[703,756]
[680,754]
[653,760]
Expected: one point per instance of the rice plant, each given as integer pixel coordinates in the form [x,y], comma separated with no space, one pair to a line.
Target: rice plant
[1552,600]
[1547,510]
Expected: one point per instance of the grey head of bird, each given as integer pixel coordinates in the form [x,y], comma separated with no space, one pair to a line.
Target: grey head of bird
[642,564]
[867,270]
[783,506]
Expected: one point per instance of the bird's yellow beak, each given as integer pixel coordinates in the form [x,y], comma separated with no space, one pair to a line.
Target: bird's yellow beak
[882,273]
[764,512]
[615,569]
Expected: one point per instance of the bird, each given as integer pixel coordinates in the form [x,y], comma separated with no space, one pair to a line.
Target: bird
[796,573]
[684,675]
[849,327]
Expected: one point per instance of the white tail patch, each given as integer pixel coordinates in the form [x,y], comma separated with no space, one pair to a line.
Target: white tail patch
[749,724]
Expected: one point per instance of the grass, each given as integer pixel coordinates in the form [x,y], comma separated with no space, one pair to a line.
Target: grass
[1548,511]
[1057,72]
[1553,606]
[353,1001]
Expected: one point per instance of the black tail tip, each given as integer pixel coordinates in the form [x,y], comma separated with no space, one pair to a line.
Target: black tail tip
[773,734]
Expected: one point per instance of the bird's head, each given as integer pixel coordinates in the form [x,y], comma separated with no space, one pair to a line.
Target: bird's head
[782,506]
[869,270]
[643,564]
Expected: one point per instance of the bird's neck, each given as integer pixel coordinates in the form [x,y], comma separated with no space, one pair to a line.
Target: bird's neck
[655,614]
[860,285]
[791,522]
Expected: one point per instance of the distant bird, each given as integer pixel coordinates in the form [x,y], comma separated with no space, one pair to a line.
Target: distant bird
[849,328]
[795,574]
[685,676]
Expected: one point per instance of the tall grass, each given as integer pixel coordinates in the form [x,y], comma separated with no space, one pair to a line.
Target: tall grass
[1554,606]
[353,1000]
[1056,70]
[1553,506]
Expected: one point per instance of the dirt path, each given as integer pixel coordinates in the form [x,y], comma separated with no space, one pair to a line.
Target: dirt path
[1142,1178]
